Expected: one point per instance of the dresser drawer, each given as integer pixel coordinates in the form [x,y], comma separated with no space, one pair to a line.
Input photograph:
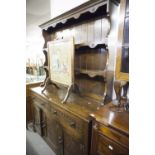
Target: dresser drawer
[41,103]
[109,147]
[72,124]
[114,135]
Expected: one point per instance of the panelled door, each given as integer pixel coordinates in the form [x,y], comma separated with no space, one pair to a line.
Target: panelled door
[72,146]
[54,135]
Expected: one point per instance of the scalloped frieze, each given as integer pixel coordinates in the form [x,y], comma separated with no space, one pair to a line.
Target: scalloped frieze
[76,13]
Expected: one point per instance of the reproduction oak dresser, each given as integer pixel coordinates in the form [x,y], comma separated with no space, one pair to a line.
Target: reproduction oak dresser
[67,128]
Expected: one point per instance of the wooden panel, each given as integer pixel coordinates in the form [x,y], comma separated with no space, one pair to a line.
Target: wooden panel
[90,35]
[89,32]
[88,59]
[94,142]
[78,34]
[29,110]
[90,86]
[74,125]
[84,34]
[41,103]
[54,135]
[91,59]
[72,146]
[105,28]
[59,120]
[43,124]
[98,30]
[47,126]
[37,119]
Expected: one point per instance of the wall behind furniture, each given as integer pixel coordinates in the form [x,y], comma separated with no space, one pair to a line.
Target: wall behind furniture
[37,12]
[60,6]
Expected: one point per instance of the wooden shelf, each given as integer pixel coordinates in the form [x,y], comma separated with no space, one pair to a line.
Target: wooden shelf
[91,73]
[92,45]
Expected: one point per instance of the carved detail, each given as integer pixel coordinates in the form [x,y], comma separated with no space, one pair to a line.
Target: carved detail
[92,10]
[47,38]
[77,12]
[76,16]
[64,21]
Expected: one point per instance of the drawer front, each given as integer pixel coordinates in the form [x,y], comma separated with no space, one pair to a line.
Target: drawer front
[41,103]
[114,135]
[72,124]
[108,147]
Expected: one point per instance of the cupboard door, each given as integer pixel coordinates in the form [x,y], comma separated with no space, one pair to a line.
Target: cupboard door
[29,113]
[37,119]
[54,135]
[43,124]
[72,146]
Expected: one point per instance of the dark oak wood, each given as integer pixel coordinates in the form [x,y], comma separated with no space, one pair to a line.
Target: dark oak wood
[122,59]
[90,6]
[65,127]
[91,52]
[29,113]
[110,133]
[68,128]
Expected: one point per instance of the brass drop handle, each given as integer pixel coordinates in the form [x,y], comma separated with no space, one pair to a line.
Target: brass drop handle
[43,126]
[55,112]
[110,147]
[60,140]
[72,124]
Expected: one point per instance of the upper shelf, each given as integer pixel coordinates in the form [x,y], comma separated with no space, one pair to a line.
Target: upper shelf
[78,13]
[91,73]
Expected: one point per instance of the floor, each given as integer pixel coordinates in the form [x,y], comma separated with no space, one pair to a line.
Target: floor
[35,145]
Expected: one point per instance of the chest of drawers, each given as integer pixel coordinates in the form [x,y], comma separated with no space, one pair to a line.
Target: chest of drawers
[110,134]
